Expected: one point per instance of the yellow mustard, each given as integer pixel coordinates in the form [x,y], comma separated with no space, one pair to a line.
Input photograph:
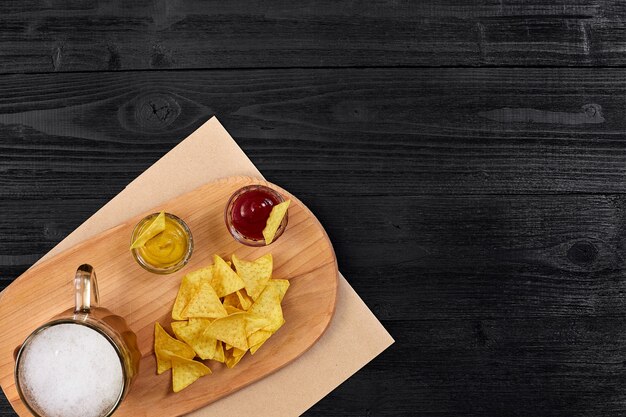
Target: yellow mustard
[166,248]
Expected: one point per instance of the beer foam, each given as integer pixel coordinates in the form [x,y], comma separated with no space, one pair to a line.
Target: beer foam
[70,370]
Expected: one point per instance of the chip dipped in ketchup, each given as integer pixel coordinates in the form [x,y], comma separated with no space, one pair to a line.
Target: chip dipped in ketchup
[247,212]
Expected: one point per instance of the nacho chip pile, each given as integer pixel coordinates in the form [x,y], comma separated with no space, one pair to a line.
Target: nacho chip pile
[220,314]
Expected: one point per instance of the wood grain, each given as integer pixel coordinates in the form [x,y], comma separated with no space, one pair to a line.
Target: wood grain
[491,367]
[303,255]
[441,257]
[157,34]
[391,131]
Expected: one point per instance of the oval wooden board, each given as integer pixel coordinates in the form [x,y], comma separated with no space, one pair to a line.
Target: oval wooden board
[302,255]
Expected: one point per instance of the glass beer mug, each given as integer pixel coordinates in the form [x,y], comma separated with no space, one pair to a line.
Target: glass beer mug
[82,362]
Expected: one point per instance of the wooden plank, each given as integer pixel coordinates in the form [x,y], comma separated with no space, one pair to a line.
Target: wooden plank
[540,367]
[429,257]
[92,36]
[374,131]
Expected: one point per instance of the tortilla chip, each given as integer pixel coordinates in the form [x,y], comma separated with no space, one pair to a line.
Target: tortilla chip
[231,300]
[186,371]
[177,326]
[255,323]
[219,352]
[230,329]
[205,303]
[244,299]
[165,346]
[257,339]
[188,288]
[281,285]
[255,274]
[274,220]
[232,310]
[192,333]
[225,281]
[156,226]
[233,357]
[268,306]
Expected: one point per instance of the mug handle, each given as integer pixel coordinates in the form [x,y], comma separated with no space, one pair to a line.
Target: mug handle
[85,285]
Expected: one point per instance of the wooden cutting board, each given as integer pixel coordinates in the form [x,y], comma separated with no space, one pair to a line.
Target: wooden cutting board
[303,255]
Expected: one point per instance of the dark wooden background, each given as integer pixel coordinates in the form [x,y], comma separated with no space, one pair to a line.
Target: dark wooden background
[468,159]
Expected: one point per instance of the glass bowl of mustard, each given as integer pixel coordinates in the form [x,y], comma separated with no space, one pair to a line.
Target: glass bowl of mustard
[168,251]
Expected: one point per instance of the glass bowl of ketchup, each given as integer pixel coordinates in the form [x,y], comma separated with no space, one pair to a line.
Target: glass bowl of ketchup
[247,212]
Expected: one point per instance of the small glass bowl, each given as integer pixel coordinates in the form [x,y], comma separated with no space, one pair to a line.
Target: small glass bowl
[169,269]
[228,215]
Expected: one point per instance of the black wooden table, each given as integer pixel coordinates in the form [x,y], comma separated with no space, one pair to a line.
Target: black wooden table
[467,160]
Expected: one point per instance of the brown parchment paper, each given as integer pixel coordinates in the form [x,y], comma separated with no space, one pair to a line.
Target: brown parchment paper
[354,336]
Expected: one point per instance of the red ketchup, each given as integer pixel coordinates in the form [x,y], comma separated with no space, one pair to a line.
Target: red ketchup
[251,211]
